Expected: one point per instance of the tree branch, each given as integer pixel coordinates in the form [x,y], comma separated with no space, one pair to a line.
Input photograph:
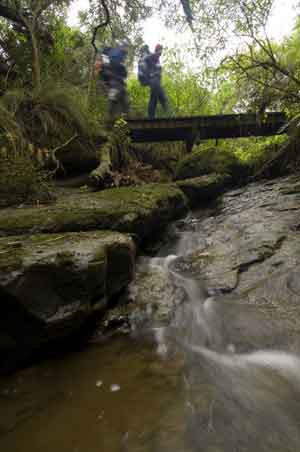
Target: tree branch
[246,70]
[10,14]
[103,24]
[58,148]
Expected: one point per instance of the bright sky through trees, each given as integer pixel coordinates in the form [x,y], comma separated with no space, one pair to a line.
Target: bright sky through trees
[281,24]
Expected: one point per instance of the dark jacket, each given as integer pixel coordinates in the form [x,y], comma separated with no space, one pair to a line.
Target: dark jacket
[113,65]
[143,67]
[154,67]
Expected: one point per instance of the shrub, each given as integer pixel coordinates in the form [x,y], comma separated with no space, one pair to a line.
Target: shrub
[21,180]
[20,177]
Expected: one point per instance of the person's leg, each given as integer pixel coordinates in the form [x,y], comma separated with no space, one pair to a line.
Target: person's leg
[162,97]
[124,101]
[112,95]
[119,104]
[152,102]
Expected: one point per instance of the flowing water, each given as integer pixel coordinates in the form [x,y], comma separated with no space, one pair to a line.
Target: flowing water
[202,383]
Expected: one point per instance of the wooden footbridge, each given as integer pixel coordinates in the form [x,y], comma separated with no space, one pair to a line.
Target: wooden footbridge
[193,129]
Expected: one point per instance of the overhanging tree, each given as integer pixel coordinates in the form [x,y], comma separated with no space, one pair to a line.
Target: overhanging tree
[29,17]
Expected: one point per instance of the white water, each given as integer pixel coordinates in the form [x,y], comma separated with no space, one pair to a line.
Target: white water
[255,400]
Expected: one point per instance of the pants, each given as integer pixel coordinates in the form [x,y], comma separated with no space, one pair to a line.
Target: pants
[157,94]
[115,92]
[117,101]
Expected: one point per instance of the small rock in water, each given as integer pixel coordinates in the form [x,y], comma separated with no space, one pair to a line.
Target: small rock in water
[99,383]
[231,348]
[101,415]
[115,388]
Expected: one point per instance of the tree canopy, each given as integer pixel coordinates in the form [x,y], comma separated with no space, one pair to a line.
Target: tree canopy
[38,45]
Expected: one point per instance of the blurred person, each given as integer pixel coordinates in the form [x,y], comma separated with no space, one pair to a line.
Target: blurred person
[112,74]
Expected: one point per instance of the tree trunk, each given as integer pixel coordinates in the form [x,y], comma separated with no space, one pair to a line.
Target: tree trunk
[36,67]
[102,175]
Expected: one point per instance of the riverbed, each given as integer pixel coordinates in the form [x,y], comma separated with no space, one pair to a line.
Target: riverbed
[210,361]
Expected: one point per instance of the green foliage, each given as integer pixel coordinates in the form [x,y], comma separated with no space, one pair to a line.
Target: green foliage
[59,110]
[21,180]
[139,96]
[186,92]
[225,97]
[255,151]
[65,103]
[162,156]
[125,19]
[70,57]
[186,96]
[49,117]
[11,133]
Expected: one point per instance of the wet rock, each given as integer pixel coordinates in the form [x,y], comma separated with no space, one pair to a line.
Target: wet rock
[203,189]
[115,321]
[251,265]
[154,298]
[140,210]
[51,284]
[215,272]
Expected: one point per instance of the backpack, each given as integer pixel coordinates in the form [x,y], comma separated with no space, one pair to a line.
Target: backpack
[116,56]
[102,64]
[143,71]
[110,65]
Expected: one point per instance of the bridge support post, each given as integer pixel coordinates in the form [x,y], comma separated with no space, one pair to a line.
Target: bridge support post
[189,145]
[189,142]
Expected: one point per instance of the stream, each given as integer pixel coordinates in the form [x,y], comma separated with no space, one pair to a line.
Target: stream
[209,370]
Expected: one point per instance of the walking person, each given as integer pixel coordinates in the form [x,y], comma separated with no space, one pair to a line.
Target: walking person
[157,93]
[110,65]
[143,65]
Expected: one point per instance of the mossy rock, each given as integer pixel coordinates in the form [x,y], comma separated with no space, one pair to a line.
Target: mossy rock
[139,210]
[50,284]
[207,161]
[204,189]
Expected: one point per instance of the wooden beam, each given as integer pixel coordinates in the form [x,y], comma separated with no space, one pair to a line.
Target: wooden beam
[206,127]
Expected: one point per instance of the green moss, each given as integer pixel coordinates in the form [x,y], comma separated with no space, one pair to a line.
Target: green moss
[139,210]
[203,189]
[207,161]
[63,250]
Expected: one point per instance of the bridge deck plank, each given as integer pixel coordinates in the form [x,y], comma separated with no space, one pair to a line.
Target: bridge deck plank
[206,127]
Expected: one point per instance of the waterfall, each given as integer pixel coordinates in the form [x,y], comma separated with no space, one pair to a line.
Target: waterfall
[254,399]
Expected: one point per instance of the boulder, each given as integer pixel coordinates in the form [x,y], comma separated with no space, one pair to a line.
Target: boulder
[141,210]
[248,265]
[203,189]
[51,284]
[211,160]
